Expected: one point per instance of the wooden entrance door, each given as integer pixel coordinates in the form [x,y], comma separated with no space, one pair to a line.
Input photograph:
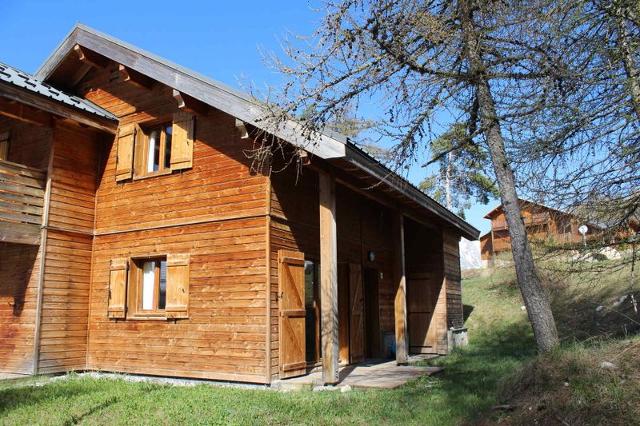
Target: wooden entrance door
[292,313]
[372,313]
[356,317]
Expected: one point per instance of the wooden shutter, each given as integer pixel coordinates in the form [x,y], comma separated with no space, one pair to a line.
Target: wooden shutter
[292,314]
[356,319]
[177,286]
[4,145]
[182,141]
[117,304]
[124,151]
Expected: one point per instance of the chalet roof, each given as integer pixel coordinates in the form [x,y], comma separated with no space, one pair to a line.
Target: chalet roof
[524,202]
[326,145]
[29,82]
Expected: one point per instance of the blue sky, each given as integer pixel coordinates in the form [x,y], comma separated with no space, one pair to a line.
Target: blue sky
[220,39]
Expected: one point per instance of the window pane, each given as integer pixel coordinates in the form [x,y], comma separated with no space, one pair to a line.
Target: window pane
[162,299]
[167,148]
[148,284]
[154,151]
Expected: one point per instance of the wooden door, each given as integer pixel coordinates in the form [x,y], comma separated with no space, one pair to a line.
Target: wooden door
[372,313]
[420,308]
[356,314]
[343,312]
[292,313]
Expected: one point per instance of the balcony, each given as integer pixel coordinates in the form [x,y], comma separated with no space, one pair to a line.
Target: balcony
[529,220]
[21,203]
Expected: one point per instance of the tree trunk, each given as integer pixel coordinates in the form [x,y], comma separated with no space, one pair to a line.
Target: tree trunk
[447,180]
[534,295]
[627,59]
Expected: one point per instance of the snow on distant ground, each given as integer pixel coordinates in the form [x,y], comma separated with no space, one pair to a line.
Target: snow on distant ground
[470,254]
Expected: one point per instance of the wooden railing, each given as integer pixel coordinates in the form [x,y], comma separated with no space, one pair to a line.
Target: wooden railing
[534,219]
[21,202]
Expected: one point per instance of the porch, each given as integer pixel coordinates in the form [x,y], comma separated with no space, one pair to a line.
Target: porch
[373,374]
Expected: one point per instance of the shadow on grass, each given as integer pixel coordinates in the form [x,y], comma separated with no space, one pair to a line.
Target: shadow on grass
[12,398]
[472,375]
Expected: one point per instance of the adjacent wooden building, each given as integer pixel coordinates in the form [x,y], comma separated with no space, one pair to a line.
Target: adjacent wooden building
[138,236]
[542,223]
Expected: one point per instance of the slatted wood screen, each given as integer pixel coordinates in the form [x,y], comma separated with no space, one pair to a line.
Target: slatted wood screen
[22,193]
[356,317]
[124,160]
[182,141]
[292,313]
[117,306]
[177,286]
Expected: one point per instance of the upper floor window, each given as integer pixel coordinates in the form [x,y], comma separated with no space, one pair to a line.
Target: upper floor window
[150,149]
[153,148]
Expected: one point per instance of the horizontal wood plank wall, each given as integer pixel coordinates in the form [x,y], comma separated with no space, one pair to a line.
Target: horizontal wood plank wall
[65,302]
[19,270]
[426,298]
[224,336]
[28,144]
[362,225]
[453,277]
[216,212]
[219,186]
[19,264]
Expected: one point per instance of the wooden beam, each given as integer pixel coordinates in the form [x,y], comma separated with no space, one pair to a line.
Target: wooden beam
[43,255]
[79,75]
[328,279]
[187,103]
[47,105]
[90,57]
[18,111]
[133,76]
[242,129]
[400,302]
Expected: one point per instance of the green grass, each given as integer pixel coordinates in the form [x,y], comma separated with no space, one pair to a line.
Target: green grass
[499,366]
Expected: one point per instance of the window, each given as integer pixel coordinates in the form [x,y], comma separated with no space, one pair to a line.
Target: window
[148,291]
[4,146]
[153,150]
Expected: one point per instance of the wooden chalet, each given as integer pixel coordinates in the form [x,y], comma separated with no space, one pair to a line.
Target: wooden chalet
[136,236]
[542,223]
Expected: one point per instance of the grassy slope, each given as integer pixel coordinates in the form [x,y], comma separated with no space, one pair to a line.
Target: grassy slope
[499,366]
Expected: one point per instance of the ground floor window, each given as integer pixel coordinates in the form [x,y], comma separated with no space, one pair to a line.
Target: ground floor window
[148,286]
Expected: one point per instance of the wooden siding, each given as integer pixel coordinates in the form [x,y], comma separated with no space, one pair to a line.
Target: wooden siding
[219,186]
[19,270]
[66,286]
[216,212]
[453,280]
[224,336]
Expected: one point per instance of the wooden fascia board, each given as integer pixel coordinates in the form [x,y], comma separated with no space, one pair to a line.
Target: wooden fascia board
[54,107]
[251,112]
[398,184]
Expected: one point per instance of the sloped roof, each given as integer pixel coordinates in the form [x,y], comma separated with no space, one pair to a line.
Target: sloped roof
[325,145]
[29,82]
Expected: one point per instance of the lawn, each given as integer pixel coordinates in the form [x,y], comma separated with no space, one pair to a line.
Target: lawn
[498,366]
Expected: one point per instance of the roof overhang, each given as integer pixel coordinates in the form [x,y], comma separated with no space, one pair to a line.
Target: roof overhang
[245,108]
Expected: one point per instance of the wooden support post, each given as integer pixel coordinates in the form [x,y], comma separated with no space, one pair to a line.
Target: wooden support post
[43,255]
[328,278]
[400,303]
